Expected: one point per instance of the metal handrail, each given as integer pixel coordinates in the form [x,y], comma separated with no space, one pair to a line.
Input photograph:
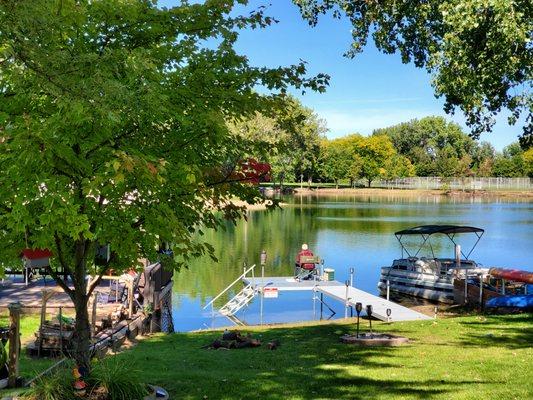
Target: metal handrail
[230,285]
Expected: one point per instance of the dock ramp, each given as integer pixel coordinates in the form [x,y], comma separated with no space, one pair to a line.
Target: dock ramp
[379,304]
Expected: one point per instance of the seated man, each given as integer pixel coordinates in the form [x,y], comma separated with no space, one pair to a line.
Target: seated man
[302,264]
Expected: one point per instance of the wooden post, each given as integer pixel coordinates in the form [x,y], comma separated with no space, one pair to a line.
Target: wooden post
[47,294]
[130,298]
[14,343]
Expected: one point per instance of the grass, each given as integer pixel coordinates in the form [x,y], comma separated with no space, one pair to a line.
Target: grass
[469,357]
[456,358]
[29,324]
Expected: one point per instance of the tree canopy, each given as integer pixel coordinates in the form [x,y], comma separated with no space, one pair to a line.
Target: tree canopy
[286,136]
[478,51]
[113,131]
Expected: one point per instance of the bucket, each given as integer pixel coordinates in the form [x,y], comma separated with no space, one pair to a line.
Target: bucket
[329,274]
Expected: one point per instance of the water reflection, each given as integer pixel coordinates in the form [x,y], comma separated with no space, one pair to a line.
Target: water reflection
[355,231]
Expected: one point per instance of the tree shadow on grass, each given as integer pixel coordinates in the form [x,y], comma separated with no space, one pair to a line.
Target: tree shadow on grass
[509,331]
[310,364]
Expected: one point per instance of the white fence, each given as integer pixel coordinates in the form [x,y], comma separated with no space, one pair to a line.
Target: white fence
[470,183]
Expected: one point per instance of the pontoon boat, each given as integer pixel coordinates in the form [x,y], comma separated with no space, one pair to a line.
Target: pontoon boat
[430,277]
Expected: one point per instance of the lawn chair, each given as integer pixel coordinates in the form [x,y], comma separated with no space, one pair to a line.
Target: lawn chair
[307,269]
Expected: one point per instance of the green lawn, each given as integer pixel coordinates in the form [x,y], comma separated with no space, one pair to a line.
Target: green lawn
[29,324]
[459,358]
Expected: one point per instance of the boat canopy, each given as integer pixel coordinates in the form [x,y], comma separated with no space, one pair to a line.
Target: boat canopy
[431,229]
[449,230]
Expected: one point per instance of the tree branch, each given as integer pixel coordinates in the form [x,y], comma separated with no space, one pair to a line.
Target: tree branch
[60,282]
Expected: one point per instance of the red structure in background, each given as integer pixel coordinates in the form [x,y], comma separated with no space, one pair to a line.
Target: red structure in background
[34,254]
[512,275]
[253,171]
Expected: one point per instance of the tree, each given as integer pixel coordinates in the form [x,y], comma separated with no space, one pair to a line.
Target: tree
[287,136]
[422,140]
[375,151]
[483,158]
[335,160]
[478,51]
[398,166]
[112,119]
[511,162]
[528,161]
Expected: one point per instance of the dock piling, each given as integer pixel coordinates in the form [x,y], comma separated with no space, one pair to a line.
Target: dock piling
[481,290]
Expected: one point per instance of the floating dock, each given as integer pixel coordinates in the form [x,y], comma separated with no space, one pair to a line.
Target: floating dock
[348,295]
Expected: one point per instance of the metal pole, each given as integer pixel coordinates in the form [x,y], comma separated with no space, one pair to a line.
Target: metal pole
[503,286]
[261,301]
[347,283]
[388,289]
[321,304]
[314,302]
[466,287]
[352,270]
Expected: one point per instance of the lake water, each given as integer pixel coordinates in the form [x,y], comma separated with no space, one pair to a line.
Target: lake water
[345,231]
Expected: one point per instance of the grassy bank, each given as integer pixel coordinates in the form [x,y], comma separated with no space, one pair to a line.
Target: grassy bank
[414,192]
[457,358]
[472,357]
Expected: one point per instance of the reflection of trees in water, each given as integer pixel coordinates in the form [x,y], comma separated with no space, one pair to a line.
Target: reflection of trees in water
[280,233]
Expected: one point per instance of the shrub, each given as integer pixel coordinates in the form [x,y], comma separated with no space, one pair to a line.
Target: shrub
[57,386]
[117,381]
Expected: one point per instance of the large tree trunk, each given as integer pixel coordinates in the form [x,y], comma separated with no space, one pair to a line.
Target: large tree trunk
[369,182]
[81,339]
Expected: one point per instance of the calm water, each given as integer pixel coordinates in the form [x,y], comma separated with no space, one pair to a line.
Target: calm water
[346,232]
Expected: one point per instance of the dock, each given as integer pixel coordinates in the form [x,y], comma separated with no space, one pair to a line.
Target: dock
[336,290]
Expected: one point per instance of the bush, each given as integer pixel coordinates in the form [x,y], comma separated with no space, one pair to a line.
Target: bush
[108,380]
[117,381]
[57,386]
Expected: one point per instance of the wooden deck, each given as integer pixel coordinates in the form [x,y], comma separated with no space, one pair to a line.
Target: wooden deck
[337,290]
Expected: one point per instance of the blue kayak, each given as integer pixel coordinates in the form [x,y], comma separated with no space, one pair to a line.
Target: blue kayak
[524,301]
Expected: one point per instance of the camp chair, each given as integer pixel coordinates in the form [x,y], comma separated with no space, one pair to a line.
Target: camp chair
[302,272]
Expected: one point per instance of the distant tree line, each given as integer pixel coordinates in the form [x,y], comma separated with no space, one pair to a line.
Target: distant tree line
[294,143]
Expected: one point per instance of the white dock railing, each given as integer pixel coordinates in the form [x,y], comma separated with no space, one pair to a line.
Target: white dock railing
[239,279]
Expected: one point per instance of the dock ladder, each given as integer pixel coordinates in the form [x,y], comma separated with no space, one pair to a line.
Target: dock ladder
[240,300]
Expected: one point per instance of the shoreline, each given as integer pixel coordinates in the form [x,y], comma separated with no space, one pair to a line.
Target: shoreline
[413,192]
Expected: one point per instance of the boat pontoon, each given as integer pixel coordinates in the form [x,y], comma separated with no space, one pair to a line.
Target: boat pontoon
[430,277]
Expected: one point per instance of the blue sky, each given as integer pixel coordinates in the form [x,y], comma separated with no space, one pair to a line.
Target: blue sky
[374,90]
